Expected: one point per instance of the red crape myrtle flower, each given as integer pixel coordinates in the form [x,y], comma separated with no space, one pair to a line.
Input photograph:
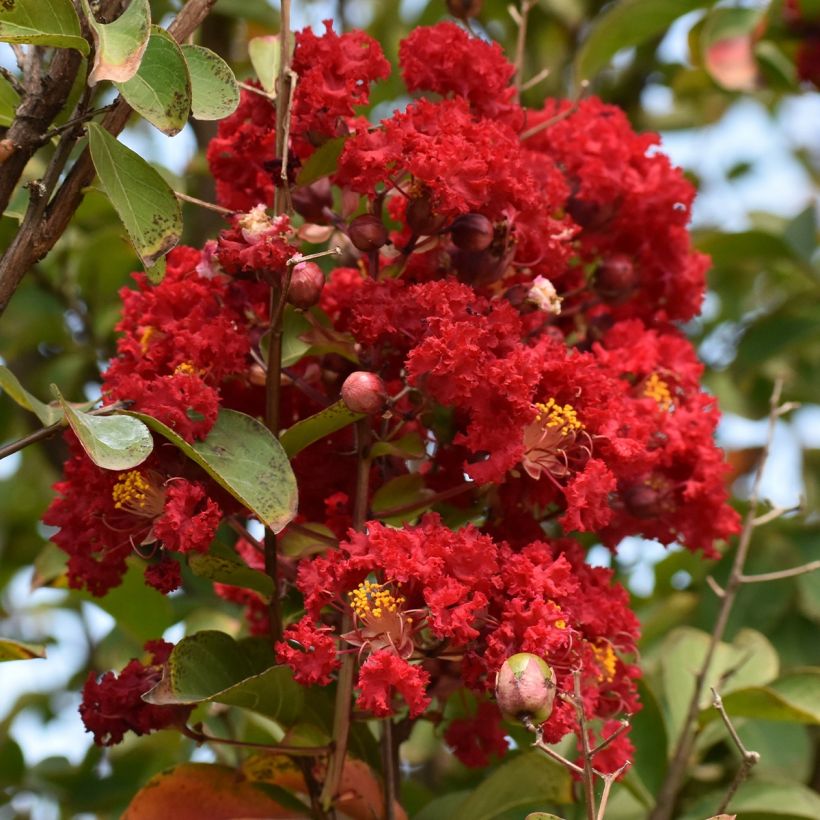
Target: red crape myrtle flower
[435,609]
[113,705]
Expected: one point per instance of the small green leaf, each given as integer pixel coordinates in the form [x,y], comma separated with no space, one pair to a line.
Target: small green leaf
[160,90]
[801,233]
[42,23]
[18,651]
[212,666]
[626,24]
[9,100]
[49,567]
[245,458]
[119,45]
[410,446]
[115,442]
[47,414]
[400,492]
[530,778]
[214,92]
[266,55]
[294,324]
[297,543]
[317,426]
[758,800]
[226,571]
[322,162]
[147,206]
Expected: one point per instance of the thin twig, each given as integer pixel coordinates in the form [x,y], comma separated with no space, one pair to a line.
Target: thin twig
[609,779]
[567,112]
[775,513]
[292,751]
[520,18]
[749,758]
[75,121]
[388,762]
[12,80]
[297,258]
[538,743]
[47,432]
[319,536]
[607,740]
[715,587]
[259,91]
[344,689]
[589,775]
[534,80]
[667,797]
[427,501]
[203,204]
[780,574]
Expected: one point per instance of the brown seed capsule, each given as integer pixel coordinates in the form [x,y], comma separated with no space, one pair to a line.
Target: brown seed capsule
[464,9]
[364,392]
[421,219]
[616,278]
[367,232]
[472,232]
[306,283]
[525,688]
[310,201]
[6,149]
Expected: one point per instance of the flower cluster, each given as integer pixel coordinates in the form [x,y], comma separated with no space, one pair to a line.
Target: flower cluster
[502,322]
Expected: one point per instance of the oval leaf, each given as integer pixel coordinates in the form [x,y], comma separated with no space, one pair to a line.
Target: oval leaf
[212,666]
[115,442]
[119,45]
[266,55]
[214,92]
[531,778]
[226,571]
[183,791]
[18,651]
[245,458]
[42,23]
[9,100]
[47,414]
[626,24]
[160,90]
[317,426]
[322,162]
[145,203]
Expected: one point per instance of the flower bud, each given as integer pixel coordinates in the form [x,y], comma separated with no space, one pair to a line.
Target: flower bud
[306,283]
[525,688]
[616,278]
[364,392]
[421,219]
[464,9]
[643,501]
[310,201]
[472,232]
[367,232]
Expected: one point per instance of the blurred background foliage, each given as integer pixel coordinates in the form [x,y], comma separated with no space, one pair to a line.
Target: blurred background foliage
[747,130]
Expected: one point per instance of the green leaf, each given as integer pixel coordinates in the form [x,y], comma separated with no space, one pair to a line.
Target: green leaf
[410,446]
[42,23]
[212,666]
[214,92]
[49,567]
[266,55]
[115,442]
[399,492]
[119,46]
[298,543]
[749,661]
[626,24]
[294,324]
[160,90]
[9,100]
[18,651]
[648,733]
[12,763]
[530,778]
[226,571]
[145,203]
[323,161]
[317,426]
[801,233]
[759,800]
[47,414]
[245,458]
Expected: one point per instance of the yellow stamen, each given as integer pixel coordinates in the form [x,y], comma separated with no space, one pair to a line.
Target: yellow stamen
[560,624]
[607,659]
[656,388]
[134,493]
[186,367]
[372,600]
[145,338]
[554,415]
